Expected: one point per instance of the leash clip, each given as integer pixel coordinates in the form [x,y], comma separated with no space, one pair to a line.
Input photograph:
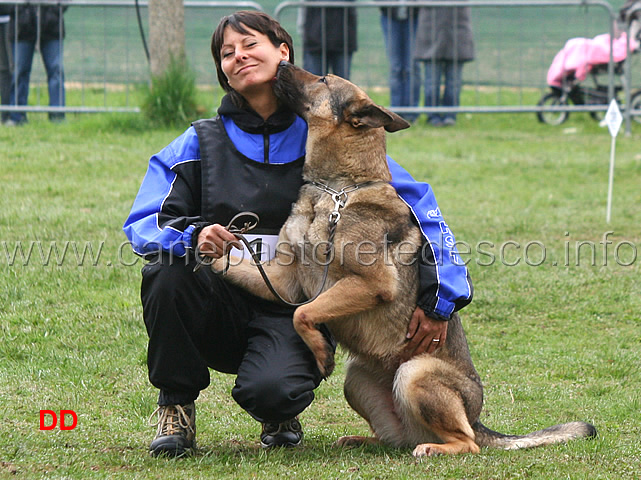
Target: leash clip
[339,202]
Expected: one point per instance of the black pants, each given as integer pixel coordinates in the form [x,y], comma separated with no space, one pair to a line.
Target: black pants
[197,320]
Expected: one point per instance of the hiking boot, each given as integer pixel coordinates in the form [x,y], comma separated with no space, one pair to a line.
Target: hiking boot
[176,434]
[286,434]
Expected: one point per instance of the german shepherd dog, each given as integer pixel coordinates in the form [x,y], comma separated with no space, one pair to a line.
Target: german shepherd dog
[431,402]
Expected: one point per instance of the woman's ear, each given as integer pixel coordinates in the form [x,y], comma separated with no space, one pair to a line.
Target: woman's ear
[284,52]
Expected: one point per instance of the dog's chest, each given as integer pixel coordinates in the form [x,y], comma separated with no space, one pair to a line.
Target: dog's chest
[295,231]
[358,229]
[309,236]
[308,223]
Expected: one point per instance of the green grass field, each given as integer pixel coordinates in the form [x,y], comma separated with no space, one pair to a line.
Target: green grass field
[555,338]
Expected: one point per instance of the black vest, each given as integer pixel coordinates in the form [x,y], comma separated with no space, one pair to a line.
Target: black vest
[233,183]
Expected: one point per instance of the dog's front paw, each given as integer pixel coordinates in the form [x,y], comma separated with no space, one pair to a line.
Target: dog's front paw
[315,340]
[327,364]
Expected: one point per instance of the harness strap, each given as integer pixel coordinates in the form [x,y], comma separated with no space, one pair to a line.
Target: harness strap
[339,197]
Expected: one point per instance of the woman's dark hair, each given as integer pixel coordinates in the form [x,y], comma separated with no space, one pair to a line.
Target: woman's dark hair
[240,21]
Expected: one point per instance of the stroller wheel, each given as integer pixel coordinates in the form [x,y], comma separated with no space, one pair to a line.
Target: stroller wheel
[635,104]
[552,99]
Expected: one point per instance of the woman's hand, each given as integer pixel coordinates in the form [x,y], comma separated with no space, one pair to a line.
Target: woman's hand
[425,334]
[215,240]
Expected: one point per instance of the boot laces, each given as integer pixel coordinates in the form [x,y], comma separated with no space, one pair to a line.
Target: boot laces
[171,420]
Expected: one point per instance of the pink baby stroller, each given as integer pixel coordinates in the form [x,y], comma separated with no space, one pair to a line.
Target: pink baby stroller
[583,58]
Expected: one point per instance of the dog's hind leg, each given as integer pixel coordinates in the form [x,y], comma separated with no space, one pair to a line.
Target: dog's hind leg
[370,395]
[434,395]
[348,296]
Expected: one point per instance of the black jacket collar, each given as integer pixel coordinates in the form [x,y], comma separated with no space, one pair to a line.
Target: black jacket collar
[249,121]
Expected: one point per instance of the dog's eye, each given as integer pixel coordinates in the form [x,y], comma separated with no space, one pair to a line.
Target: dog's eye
[323,80]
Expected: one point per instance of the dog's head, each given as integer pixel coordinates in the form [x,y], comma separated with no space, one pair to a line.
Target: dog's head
[331,99]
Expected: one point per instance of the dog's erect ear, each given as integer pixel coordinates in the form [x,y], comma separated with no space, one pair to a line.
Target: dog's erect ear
[372,115]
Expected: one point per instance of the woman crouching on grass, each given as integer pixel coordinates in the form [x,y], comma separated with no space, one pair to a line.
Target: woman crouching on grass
[249,157]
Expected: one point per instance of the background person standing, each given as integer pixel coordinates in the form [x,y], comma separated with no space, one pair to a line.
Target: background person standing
[399,26]
[329,40]
[39,27]
[444,42]
[5,59]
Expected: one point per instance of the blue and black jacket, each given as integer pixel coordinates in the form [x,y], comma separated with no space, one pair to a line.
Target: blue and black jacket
[236,162]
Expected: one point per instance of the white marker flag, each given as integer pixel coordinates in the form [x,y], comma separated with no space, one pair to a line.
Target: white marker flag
[613,119]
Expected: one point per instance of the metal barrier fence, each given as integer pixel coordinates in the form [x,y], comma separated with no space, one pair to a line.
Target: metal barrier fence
[633,12]
[104,55]
[515,43]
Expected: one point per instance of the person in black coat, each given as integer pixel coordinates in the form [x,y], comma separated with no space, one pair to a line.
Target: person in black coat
[329,40]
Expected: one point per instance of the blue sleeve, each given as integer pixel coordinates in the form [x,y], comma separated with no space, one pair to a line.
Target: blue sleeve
[445,286]
[166,211]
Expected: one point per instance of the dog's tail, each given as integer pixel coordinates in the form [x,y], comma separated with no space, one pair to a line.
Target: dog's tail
[484,437]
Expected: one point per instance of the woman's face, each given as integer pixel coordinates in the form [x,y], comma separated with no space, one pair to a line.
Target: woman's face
[250,60]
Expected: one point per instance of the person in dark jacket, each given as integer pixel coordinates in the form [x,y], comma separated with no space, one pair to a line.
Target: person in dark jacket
[42,26]
[329,40]
[444,42]
[249,158]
